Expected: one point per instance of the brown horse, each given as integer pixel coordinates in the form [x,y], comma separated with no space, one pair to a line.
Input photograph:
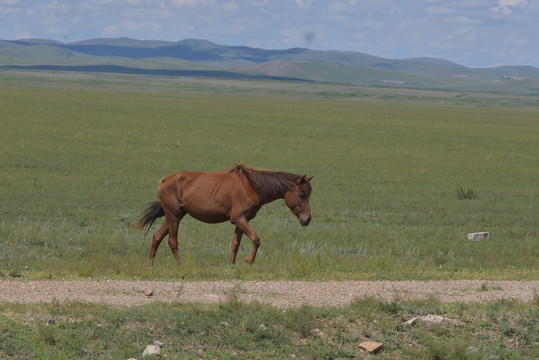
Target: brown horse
[235,195]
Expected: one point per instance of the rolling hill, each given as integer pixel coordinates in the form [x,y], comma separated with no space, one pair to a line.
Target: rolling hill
[203,58]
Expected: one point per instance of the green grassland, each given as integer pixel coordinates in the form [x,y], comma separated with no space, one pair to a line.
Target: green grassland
[80,159]
[234,330]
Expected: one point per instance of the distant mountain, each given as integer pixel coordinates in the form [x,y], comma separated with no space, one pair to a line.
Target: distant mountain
[204,57]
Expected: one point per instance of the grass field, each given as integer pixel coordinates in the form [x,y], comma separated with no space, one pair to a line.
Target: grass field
[234,330]
[79,160]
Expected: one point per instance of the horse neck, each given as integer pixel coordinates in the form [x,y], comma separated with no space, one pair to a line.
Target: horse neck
[270,185]
[267,197]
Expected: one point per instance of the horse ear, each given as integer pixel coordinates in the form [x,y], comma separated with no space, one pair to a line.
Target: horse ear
[310,178]
[301,179]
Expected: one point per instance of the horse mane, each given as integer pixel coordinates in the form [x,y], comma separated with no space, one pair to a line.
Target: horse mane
[271,184]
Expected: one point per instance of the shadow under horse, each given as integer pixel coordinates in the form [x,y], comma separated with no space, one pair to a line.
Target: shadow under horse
[233,195]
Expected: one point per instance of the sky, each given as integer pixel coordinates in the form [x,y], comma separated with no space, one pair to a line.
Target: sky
[474,33]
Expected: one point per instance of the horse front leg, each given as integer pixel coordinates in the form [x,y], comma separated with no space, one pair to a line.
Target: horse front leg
[235,244]
[244,226]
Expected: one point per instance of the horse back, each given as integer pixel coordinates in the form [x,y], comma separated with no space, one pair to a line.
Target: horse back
[209,196]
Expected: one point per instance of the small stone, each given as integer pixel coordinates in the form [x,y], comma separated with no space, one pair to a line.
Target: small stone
[432,319]
[87,351]
[317,332]
[411,322]
[263,327]
[371,346]
[49,321]
[151,350]
[158,343]
[478,236]
[148,293]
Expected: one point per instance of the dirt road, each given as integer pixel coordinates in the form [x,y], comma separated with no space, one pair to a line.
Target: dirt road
[275,293]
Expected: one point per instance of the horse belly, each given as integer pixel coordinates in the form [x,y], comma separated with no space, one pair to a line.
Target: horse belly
[209,217]
[207,214]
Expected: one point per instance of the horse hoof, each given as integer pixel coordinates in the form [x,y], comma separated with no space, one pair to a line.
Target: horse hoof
[248,261]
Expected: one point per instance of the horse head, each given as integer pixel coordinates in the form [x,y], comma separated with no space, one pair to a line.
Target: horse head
[297,199]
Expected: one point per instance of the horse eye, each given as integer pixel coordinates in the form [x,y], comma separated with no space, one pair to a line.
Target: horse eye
[301,195]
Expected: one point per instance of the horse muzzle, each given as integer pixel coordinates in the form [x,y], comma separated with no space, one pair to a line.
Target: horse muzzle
[305,222]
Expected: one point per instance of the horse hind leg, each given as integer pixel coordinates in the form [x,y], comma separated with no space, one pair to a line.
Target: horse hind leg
[173,224]
[173,239]
[157,238]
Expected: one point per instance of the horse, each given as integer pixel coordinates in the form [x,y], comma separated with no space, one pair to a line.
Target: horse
[233,195]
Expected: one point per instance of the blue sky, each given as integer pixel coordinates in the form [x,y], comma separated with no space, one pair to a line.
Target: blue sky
[474,33]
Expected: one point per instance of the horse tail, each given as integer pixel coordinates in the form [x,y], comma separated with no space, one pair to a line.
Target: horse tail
[153,211]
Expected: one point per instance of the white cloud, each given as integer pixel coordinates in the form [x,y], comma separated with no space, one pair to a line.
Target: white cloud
[110,31]
[231,6]
[49,9]
[93,5]
[237,28]
[463,20]
[190,3]
[358,36]
[374,24]
[336,7]
[23,35]
[292,35]
[303,4]
[462,30]
[512,2]
[441,45]
[506,6]
[144,26]
[9,10]
[206,18]
[346,7]
[163,11]
[439,11]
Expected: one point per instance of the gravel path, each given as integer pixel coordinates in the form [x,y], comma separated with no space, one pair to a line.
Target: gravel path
[275,293]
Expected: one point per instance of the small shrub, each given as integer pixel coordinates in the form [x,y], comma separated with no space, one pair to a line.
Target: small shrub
[484,286]
[15,273]
[301,320]
[391,307]
[233,302]
[46,334]
[443,349]
[465,194]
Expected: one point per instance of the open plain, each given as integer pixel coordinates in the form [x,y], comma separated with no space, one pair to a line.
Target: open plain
[401,176]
